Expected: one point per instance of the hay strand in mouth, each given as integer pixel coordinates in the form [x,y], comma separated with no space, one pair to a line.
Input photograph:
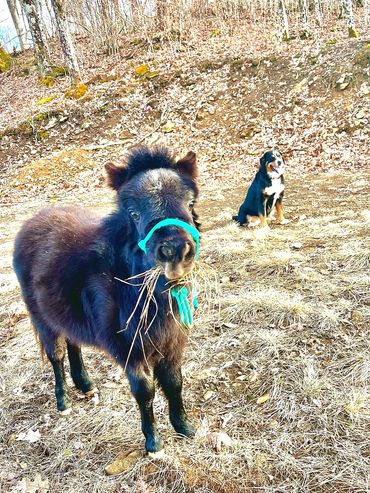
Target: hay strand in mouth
[145,297]
[202,280]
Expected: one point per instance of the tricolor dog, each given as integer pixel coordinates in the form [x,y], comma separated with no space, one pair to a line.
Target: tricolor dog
[265,193]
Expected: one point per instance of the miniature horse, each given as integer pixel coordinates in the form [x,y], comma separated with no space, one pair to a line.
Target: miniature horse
[69,265]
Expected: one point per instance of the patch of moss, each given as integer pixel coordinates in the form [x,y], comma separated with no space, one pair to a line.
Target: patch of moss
[45,100]
[42,135]
[35,126]
[102,79]
[352,32]
[216,32]
[144,71]
[53,73]
[47,81]
[6,60]
[77,91]
[40,117]
[362,57]
[206,65]
[57,71]
[305,34]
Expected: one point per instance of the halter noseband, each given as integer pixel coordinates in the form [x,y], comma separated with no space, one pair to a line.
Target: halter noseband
[180,293]
[193,232]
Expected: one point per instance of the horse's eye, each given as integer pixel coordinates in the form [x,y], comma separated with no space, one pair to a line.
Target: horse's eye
[191,204]
[134,215]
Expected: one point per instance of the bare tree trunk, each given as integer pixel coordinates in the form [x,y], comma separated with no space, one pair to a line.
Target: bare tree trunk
[53,26]
[41,48]
[65,38]
[367,11]
[318,12]
[134,12]
[305,16]
[18,24]
[284,23]
[161,11]
[348,11]
[44,29]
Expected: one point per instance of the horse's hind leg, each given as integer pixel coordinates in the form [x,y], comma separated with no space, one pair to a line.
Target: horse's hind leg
[54,347]
[79,373]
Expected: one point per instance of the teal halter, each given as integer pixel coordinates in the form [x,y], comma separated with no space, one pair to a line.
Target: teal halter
[193,232]
[180,293]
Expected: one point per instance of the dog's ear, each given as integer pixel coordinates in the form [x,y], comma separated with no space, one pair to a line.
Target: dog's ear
[188,165]
[263,160]
[117,175]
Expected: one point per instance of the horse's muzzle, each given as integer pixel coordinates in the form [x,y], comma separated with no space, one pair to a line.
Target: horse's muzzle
[176,255]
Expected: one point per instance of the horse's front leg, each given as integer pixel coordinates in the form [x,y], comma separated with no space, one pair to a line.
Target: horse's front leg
[142,387]
[169,377]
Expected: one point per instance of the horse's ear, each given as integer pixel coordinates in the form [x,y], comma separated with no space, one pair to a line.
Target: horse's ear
[117,175]
[188,165]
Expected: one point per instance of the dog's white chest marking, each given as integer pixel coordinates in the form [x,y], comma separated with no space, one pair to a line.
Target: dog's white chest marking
[275,189]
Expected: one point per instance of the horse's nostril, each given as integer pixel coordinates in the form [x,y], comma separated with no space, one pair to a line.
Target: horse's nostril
[165,253]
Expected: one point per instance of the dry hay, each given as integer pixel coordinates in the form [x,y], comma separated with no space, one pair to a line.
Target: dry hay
[279,359]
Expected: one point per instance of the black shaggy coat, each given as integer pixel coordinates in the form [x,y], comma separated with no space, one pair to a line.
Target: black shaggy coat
[68,264]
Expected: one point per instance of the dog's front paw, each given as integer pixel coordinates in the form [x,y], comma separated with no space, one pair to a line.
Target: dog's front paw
[284,221]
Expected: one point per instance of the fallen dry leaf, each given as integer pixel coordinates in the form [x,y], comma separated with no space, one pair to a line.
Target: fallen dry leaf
[29,436]
[218,440]
[38,485]
[123,462]
[264,398]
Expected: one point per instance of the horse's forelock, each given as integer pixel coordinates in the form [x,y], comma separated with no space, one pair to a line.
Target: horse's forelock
[144,159]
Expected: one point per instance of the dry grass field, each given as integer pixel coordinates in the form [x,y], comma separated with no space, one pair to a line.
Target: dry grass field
[278,359]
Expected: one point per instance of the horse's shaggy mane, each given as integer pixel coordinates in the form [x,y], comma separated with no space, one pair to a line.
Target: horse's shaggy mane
[143,159]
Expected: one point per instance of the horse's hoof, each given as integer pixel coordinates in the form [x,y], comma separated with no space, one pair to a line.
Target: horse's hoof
[157,455]
[92,392]
[186,430]
[66,412]
[153,445]
[93,396]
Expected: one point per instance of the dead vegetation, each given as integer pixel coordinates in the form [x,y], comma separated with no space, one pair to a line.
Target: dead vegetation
[227,97]
[279,359]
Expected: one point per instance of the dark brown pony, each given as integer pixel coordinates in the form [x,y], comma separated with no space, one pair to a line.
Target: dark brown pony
[67,262]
